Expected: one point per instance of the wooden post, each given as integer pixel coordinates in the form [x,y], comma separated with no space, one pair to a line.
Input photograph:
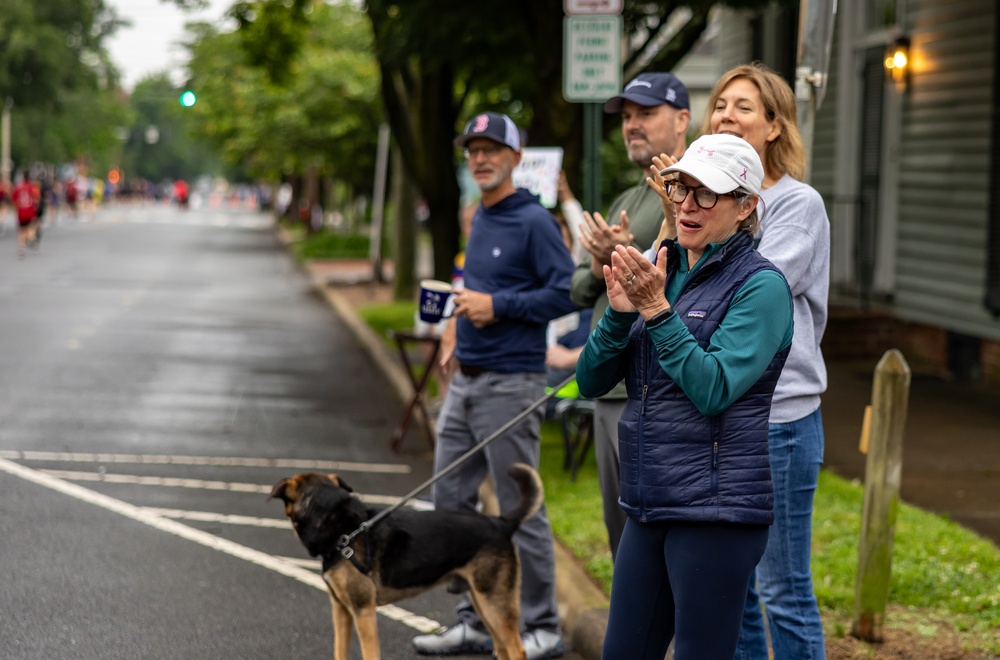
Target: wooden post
[883,471]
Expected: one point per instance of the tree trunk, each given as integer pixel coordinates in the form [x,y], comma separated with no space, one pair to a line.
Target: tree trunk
[312,200]
[421,111]
[404,196]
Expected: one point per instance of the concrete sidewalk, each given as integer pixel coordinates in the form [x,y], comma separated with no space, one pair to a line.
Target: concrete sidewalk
[951,462]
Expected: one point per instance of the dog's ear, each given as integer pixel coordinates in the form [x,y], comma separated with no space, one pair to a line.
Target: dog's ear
[279,490]
[340,482]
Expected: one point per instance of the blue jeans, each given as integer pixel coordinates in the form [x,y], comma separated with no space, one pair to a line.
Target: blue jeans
[783,576]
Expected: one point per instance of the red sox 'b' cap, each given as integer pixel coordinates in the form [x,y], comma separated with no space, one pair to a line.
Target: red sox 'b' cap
[492,126]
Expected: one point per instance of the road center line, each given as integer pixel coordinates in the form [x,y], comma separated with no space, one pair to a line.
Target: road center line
[211,461]
[181,530]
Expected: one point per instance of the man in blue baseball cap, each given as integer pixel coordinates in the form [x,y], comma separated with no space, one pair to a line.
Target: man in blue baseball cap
[655,113]
[517,275]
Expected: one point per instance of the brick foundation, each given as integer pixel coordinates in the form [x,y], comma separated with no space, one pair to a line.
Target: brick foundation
[853,334]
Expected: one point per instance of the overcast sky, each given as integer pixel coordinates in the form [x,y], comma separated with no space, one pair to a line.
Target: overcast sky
[152,43]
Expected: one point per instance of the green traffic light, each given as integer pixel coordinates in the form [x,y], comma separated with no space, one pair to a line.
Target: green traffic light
[188,98]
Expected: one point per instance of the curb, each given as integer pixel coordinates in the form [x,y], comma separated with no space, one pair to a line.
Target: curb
[583,607]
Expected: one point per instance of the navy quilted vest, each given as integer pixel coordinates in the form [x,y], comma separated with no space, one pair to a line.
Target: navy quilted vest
[677,464]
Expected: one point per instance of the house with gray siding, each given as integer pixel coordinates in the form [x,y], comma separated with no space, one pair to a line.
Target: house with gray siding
[908,166]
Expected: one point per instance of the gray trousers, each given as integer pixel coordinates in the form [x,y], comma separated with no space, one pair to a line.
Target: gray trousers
[473,409]
[607,412]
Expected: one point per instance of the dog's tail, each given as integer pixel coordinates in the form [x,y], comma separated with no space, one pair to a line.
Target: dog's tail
[532,493]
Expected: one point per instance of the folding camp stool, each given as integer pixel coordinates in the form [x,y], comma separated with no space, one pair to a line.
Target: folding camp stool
[403,341]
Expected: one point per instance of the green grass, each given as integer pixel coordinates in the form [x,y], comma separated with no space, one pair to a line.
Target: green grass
[328,244]
[939,567]
[940,570]
[385,317]
[575,508]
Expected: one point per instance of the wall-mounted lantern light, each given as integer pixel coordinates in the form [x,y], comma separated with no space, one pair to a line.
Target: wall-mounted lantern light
[897,62]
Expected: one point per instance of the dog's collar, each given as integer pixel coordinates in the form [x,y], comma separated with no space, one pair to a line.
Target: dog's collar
[347,552]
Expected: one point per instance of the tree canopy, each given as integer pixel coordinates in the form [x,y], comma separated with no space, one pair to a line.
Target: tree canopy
[55,71]
[442,60]
[159,144]
[49,48]
[436,62]
[319,108]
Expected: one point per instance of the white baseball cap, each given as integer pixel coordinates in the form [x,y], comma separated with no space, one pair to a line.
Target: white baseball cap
[722,163]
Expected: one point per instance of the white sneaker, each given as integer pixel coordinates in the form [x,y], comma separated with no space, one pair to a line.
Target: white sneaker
[540,644]
[461,638]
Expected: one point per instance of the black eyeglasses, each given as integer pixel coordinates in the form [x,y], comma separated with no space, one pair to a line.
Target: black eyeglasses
[703,197]
[488,151]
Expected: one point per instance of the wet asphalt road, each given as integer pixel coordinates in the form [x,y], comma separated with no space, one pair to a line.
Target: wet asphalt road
[144,351]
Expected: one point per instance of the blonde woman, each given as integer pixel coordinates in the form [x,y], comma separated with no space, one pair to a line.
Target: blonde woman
[754,103]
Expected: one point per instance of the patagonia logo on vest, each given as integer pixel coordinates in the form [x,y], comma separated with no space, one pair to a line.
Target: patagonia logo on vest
[697,314]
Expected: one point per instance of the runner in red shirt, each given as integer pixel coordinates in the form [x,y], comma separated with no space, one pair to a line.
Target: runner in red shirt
[181,193]
[25,197]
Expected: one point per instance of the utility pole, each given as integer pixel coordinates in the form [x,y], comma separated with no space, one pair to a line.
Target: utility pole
[5,164]
[813,61]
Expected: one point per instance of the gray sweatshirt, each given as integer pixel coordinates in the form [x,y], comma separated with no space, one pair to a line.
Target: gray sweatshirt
[795,236]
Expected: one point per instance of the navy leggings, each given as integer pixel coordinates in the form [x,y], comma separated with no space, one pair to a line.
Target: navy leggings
[683,580]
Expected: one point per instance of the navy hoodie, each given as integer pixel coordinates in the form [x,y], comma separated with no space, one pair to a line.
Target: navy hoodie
[516,253]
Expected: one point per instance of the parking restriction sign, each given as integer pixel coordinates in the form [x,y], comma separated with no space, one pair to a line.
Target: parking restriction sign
[574,7]
[592,57]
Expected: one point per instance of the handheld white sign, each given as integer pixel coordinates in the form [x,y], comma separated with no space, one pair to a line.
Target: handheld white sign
[538,172]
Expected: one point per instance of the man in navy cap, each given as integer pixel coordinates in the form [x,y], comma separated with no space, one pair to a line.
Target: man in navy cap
[517,275]
[655,114]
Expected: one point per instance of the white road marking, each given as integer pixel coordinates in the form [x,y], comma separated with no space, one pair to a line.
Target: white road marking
[223,219]
[146,517]
[133,299]
[314,564]
[211,461]
[168,482]
[203,484]
[226,519]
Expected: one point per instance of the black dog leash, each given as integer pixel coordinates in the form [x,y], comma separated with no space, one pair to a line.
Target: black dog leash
[344,543]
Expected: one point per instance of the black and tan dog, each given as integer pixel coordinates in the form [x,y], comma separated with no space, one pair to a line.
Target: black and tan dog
[409,552]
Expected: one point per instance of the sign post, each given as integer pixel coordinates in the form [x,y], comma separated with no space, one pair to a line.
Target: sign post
[592,73]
